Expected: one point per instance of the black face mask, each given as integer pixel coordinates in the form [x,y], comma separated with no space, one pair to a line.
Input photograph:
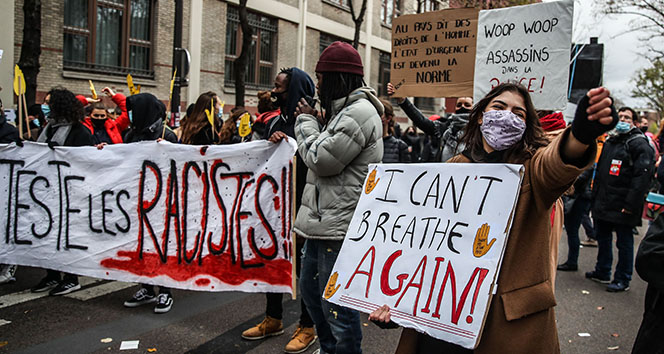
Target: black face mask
[644,129]
[278,98]
[462,110]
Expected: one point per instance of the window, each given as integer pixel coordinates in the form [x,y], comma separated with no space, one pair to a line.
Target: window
[383,73]
[109,36]
[389,9]
[260,70]
[342,3]
[326,40]
[427,6]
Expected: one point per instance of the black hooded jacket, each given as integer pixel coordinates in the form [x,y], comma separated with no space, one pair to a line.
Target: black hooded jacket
[622,178]
[147,114]
[650,267]
[8,133]
[299,86]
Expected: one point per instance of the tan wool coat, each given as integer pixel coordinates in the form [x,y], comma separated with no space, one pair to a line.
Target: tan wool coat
[521,317]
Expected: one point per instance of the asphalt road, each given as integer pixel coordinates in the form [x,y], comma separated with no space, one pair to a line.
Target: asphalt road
[212,322]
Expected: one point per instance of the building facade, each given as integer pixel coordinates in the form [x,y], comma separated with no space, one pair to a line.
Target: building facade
[104,40]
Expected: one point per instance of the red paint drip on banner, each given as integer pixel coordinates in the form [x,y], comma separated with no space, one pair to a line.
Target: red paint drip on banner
[274,272]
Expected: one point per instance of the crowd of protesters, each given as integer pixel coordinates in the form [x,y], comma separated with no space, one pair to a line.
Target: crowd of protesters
[349,128]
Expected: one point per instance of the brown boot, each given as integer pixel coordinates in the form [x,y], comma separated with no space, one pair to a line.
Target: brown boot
[302,339]
[268,328]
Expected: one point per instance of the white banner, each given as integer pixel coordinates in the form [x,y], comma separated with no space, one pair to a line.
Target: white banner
[428,240]
[182,216]
[526,44]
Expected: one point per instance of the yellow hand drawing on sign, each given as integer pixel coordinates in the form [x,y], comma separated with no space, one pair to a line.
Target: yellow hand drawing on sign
[331,287]
[480,246]
[371,182]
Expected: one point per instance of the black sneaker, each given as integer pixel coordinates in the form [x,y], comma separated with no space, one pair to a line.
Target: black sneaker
[142,297]
[596,277]
[65,287]
[164,303]
[567,268]
[45,284]
[617,286]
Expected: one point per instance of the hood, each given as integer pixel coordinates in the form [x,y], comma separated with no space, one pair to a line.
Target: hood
[146,110]
[459,119]
[300,85]
[363,92]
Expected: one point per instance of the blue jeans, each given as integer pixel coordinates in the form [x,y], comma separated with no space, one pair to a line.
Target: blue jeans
[338,327]
[587,223]
[624,242]
[572,223]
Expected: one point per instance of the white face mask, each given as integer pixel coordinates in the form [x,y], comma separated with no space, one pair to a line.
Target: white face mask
[502,129]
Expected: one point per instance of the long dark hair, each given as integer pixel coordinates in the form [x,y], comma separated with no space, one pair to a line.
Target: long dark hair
[65,107]
[533,137]
[198,120]
[337,85]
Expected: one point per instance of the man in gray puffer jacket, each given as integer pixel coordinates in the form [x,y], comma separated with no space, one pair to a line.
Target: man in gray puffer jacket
[336,148]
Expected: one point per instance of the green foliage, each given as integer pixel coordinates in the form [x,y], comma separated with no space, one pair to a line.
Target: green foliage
[649,84]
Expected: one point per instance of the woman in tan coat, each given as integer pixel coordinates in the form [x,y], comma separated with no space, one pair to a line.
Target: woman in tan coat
[504,128]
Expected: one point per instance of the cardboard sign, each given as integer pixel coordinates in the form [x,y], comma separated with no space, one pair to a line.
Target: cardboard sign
[158,213]
[428,241]
[433,53]
[529,45]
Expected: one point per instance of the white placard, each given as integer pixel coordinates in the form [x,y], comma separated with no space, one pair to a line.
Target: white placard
[158,213]
[526,44]
[428,240]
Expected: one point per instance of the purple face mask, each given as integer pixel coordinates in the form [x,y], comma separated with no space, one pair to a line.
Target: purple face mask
[502,129]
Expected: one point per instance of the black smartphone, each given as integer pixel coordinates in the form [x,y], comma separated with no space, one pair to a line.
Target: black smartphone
[310,101]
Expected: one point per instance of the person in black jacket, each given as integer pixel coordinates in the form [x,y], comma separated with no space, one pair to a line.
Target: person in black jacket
[8,132]
[579,202]
[445,133]
[290,86]
[196,129]
[622,178]
[650,267]
[146,114]
[64,128]
[394,150]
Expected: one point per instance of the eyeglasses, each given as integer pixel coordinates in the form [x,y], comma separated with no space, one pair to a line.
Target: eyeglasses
[99,115]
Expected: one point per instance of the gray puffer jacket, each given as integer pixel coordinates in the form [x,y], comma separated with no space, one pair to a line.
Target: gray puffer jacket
[337,156]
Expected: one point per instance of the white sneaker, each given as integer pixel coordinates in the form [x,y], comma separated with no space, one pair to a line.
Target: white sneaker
[7,272]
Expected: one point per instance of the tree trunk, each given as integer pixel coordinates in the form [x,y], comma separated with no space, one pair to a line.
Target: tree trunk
[31,47]
[356,37]
[357,20]
[240,64]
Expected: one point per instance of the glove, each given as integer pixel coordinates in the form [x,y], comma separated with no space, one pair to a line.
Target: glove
[587,131]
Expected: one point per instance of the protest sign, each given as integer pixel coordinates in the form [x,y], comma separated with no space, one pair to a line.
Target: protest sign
[428,240]
[433,53]
[181,216]
[529,45]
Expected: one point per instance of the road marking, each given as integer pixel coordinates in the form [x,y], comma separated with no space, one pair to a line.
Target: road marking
[99,290]
[4,322]
[26,295]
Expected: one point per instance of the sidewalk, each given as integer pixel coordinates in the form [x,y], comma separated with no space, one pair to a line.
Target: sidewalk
[611,319]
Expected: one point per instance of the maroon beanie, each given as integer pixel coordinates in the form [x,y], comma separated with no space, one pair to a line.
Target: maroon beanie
[340,57]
